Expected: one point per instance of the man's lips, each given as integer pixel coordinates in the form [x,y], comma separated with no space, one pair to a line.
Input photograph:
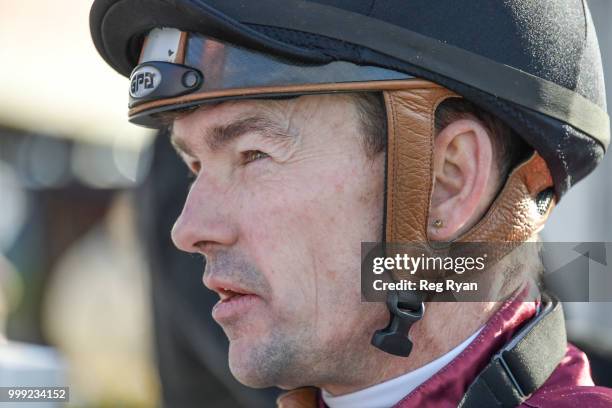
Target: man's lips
[225,288]
[234,307]
[234,300]
[226,294]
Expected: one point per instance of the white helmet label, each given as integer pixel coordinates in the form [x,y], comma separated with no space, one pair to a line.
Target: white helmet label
[144,81]
[162,44]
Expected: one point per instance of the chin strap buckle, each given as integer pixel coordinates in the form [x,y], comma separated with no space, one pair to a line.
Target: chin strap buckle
[405,308]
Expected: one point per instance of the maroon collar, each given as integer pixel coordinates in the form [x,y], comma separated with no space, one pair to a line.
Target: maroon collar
[447,386]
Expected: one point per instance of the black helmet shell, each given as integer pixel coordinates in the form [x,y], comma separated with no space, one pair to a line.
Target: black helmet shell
[534,64]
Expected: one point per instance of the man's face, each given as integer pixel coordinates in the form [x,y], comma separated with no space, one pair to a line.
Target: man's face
[284,195]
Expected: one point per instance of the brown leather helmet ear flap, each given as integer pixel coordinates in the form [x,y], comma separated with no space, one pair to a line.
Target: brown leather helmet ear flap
[514,215]
[410,137]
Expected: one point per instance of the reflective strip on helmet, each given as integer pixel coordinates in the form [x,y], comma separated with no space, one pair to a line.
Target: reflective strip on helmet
[213,66]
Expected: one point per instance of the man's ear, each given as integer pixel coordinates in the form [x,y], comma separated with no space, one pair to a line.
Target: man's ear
[462,190]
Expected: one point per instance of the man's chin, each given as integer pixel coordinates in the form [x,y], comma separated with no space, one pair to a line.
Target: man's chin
[260,363]
[248,366]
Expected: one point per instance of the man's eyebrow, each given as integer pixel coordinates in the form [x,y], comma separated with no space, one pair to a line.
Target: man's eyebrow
[220,136]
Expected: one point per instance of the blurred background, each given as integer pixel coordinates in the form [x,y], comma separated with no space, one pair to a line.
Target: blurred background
[92,292]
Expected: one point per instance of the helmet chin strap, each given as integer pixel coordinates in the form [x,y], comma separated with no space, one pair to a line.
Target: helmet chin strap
[515,215]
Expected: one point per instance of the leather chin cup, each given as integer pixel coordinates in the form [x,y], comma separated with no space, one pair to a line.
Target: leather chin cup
[513,217]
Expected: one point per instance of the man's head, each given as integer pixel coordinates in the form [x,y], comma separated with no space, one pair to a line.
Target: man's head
[284,193]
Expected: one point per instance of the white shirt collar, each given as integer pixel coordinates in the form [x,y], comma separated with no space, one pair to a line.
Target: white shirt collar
[389,393]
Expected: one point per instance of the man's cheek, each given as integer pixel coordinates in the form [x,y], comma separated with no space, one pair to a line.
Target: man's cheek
[293,282]
[283,258]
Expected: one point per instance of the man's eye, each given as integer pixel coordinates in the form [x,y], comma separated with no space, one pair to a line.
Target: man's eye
[252,155]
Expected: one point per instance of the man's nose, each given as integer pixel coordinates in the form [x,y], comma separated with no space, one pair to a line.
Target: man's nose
[204,221]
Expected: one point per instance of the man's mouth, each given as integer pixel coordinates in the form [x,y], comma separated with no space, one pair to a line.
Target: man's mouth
[234,303]
[227,294]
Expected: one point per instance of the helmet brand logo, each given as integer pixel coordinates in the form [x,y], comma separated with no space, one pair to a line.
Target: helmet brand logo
[144,81]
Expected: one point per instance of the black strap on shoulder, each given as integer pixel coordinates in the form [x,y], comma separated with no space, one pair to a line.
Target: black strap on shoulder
[524,364]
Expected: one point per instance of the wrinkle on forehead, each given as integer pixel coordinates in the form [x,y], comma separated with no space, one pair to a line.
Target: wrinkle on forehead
[218,137]
[217,126]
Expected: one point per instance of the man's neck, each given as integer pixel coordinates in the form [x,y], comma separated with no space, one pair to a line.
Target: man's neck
[444,326]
